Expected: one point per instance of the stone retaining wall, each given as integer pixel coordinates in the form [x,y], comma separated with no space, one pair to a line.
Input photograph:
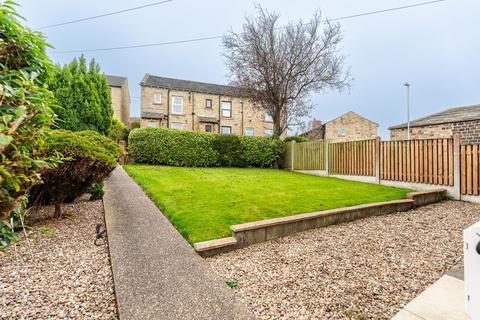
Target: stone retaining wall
[254,232]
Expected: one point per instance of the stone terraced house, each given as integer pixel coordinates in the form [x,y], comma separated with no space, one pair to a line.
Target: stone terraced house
[349,126]
[198,106]
[120,98]
[463,120]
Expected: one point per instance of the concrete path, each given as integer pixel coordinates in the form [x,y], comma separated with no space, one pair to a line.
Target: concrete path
[444,300]
[156,273]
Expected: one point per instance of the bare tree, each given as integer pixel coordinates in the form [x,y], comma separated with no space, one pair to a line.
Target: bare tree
[280,66]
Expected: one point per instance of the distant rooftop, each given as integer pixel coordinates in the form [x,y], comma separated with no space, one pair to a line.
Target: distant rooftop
[115,81]
[457,114]
[187,85]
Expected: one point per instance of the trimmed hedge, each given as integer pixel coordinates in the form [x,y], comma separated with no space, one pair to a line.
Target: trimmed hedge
[89,158]
[296,139]
[197,149]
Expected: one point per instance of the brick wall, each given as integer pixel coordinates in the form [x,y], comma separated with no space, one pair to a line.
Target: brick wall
[353,126]
[243,115]
[469,132]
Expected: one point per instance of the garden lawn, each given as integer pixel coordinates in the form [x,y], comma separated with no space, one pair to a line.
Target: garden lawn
[203,202]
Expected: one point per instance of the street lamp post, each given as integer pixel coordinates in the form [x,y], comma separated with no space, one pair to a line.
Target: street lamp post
[406,84]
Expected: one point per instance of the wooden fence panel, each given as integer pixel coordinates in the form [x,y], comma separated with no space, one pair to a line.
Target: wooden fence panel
[469,169]
[306,155]
[352,158]
[421,161]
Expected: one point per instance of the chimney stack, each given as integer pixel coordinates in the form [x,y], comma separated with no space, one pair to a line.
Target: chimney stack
[316,123]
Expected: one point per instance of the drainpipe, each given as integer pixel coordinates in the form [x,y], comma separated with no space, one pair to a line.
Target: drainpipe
[243,129]
[193,110]
[219,113]
[168,107]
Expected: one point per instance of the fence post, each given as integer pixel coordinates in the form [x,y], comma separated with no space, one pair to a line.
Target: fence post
[377,159]
[456,167]
[327,157]
[293,155]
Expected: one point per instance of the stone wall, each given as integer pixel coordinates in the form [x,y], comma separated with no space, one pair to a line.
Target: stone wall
[243,115]
[469,132]
[353,127]
[121,103]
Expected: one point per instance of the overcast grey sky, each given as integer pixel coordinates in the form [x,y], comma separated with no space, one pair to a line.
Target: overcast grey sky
[436,48]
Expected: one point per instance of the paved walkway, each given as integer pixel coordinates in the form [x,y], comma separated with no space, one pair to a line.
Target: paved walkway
[157,275]
[443,300]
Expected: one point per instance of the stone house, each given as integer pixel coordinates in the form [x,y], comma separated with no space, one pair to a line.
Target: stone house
[463,120]
[198,106]
[120,98]
[349,126]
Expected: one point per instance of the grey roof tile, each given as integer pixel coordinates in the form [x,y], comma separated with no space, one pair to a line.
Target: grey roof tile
[187,85]
[115,81]
[457,114]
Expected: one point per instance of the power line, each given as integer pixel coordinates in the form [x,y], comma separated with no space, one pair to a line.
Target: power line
[220,36]
[104,15]
[387,10]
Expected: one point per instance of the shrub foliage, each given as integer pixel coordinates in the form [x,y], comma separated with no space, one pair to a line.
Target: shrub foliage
[198,149]
[89,158]
[24,109]
[83,95]
[296,139]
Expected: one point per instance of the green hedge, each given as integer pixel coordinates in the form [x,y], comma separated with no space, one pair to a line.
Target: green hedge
[198,149]
[89,157]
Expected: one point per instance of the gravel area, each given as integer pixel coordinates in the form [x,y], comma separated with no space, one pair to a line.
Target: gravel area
[61,274]
[367,269]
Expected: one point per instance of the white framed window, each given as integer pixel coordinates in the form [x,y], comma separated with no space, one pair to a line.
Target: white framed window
[208,128]
[208,103]
[267,118]
[341,132]
[176,125]
[249,132]
[226,130]
[226,109]
[152,124]
[177,105]
[157,98]
[268,132]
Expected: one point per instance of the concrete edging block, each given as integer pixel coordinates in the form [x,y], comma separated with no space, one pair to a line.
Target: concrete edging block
[259,231]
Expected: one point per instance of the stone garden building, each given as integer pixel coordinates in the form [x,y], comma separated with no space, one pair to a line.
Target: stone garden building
[347,127]
[462,120]
[198,106]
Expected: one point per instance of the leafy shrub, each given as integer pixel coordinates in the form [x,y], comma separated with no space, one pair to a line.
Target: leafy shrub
[96,191]
[90,157]
[230,151]
[198,149]
[261,152]
[83,95]
[25,114]
[118,131]
[172,147]
[296,138]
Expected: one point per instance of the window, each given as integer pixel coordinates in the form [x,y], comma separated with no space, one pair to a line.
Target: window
[267,118]
[226,130]
[341,132]
[226,109]
[152,124]
[208,103]
[157,98]
[177,105]
[208,128]
[268,132]
[249,131]
[176,125]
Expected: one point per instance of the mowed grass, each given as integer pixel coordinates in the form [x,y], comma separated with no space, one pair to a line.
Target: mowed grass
[203,202]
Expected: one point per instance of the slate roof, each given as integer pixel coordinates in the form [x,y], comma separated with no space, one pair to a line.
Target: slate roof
[457,114]
[187,85]
[152,114]
[208,119]
[116,81]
